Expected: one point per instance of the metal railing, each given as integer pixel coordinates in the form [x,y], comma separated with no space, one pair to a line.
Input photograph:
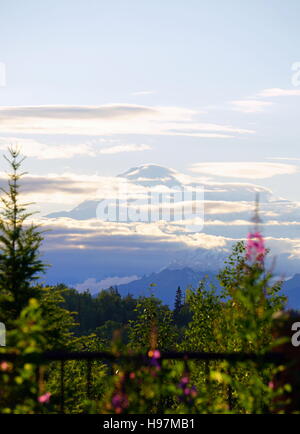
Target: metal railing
[275,358]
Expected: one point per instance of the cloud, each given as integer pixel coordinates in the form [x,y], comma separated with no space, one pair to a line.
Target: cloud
[56,112]
[226,207]
[94,286]
[111,119]
[43,151]
[274,92]
[67,233]
[250,105]
[124,148]
[61,192]
[144,92]
[247,222]
[249,170]
[284,158]
[94,244]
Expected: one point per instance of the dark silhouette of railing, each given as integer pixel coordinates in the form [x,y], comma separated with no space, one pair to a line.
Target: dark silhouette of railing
[275,358]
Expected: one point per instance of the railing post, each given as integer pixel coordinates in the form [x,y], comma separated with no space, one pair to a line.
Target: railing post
[62,386]
[229,392]
[207,381]
[89,377]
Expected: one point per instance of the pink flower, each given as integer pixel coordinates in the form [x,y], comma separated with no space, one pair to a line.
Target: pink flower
[43,399]
[154,358]
[156,354]
[4,366]
[255,247]
[185,380]
[271,385]
[119,401]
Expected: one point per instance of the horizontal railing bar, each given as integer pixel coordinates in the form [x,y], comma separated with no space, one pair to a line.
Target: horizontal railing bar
[270,357]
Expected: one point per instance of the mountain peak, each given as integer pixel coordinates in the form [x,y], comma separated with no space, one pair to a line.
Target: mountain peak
[151,174]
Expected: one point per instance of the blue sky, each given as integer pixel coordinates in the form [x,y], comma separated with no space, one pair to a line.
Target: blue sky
[96,87]
[195,55]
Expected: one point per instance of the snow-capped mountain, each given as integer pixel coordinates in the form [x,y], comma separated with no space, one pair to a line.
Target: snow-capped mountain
[151,176]
[199,260]
[228,209]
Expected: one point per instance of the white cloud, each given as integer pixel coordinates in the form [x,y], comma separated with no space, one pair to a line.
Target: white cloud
[111,119]
[124,148]
[227,207]
[95,234]
[94,286]
[249,170]
[144,92]
[250,105]
[284,158]
[273,92]
[56,192]
[44,151]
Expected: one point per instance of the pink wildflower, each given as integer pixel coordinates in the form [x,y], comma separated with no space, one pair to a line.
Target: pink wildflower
[156,354]
[119,401]
[4,366]
[154,358]
[255,247]
[43,399]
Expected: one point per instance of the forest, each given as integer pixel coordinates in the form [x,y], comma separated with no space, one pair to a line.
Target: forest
[224,349]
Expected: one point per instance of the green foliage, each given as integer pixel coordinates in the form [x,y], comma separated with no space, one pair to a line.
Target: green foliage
[18,379]
[59,321]
[150,388]
[154,326]
[251,301]
[108,329]
[93,312]
[20,264]
[202,333]
[78,396]
[237,318]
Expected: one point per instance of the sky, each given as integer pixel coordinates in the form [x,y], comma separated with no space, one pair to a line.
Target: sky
[92,88]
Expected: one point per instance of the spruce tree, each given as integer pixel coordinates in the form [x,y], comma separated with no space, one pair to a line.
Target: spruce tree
[20,263]
[178,303]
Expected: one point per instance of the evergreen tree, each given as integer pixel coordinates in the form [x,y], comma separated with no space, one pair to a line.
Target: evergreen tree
[178,303]
[20,264]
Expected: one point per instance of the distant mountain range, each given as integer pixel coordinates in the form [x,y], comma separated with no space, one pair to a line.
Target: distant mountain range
[291,288]
[166,283]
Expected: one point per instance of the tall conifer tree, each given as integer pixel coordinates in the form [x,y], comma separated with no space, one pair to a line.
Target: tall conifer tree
[20,263]
[178,303]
